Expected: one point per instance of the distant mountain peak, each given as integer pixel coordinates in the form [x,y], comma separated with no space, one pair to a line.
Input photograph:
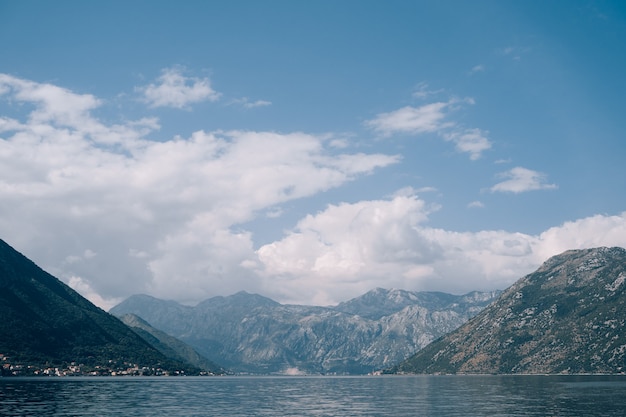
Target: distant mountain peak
[241,298]
[245,296]
[380,302]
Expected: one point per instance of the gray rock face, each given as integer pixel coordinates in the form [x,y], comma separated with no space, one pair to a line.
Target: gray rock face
[250,333]
[567,317]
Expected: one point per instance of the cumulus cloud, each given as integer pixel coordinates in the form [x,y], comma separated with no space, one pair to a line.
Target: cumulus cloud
[433,118]
[149,216]
[350,248]
[519,180]
[174,89]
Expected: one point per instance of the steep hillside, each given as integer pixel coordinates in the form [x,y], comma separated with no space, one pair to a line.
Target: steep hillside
[250,333]
[567,317]
[169,345]
[44,322]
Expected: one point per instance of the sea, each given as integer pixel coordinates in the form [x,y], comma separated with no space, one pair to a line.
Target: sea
[433,395]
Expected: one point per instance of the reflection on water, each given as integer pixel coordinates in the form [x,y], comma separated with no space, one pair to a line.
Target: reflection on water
[316,396]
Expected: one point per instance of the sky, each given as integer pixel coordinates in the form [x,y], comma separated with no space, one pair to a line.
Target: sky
[309,151]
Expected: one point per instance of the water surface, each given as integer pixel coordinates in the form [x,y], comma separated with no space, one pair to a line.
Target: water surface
[315,396]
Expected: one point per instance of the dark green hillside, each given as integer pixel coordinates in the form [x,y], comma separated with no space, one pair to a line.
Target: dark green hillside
[44,322]
[567,317]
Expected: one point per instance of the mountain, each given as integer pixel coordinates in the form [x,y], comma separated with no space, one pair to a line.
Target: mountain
[168,345]
[566,317]
[46,323]
[254,334]
[380,302]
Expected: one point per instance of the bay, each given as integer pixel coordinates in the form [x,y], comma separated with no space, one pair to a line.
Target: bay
[421,395]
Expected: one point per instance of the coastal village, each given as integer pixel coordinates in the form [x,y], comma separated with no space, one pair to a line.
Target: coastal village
[116,368]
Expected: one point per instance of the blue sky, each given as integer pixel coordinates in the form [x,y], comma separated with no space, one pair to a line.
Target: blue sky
[308,151]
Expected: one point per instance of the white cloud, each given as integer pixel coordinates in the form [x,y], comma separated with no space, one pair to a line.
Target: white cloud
[350,248]
[347,247]
[414,120]
[519,180]
[245,102]
[54,104]
[476,204]
[598,230]
[432,118]
[84,288]
[159,217]
[166,217]
[173,89]
[339,143]
[426,190]
[472,141]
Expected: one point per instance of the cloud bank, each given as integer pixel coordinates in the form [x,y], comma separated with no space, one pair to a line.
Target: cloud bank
[159,217]
[351,248]
[113,213]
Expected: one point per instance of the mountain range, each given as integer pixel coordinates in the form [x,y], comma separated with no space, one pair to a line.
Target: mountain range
[566,317]
[249,333]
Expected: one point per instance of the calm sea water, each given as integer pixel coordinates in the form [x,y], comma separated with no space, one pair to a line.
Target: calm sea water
[316,396]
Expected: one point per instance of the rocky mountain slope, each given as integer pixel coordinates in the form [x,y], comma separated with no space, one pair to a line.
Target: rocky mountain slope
[250,333]
[567,317]
[44,323]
